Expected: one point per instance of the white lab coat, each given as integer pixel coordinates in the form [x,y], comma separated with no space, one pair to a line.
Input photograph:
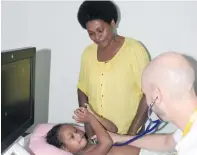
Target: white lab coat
[187,145]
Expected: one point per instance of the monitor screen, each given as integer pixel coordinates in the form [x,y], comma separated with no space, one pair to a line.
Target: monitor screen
[15,96]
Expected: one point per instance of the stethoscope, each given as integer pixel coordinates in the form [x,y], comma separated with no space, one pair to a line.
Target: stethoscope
[151,128]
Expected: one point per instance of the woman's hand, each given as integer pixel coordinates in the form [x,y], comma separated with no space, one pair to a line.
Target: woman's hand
[90,109]
[82,115]
[107,124]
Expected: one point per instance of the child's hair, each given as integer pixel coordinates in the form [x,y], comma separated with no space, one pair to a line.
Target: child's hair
[53,137]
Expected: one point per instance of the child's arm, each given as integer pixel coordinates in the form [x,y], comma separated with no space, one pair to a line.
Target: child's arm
[105,141]
[107,124]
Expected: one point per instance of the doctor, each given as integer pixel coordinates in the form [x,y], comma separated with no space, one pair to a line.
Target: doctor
[168,83]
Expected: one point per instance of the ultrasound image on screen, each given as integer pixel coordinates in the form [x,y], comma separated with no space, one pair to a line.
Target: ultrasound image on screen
[15,96]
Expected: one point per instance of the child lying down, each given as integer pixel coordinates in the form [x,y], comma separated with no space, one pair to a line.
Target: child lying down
[72,139]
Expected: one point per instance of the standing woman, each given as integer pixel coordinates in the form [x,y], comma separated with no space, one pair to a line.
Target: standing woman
[111,69]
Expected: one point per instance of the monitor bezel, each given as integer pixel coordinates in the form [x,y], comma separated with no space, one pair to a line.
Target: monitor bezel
[13,55]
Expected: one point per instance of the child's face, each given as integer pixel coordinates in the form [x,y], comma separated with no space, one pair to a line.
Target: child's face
[73,138]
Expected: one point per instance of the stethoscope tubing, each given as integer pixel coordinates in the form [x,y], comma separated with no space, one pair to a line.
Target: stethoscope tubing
[148,130]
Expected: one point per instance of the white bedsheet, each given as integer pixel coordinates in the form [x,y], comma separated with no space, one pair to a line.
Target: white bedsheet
[146,152]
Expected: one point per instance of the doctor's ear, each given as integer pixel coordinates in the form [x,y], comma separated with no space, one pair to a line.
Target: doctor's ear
[158,96]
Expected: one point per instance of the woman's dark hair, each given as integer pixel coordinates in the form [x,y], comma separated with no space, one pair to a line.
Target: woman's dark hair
[94,10]
[53,138]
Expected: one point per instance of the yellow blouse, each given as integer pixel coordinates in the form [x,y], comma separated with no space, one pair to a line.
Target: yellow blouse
[114,88]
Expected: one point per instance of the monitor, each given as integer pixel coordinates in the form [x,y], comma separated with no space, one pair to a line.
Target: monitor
[17,93]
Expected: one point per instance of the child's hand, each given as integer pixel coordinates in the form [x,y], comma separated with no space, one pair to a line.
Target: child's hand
[82,115]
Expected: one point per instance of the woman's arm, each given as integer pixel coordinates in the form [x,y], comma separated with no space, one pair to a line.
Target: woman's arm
[105,141]
[82,90]
[107,124]
[140,62]
[140,117]
[82,99]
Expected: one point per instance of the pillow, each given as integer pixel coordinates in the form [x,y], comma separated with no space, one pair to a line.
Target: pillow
[39,146]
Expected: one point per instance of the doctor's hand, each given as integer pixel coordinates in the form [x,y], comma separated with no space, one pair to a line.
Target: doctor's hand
[82,115]
[117,138]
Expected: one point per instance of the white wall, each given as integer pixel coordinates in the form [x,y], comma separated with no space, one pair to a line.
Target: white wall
[161,26]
